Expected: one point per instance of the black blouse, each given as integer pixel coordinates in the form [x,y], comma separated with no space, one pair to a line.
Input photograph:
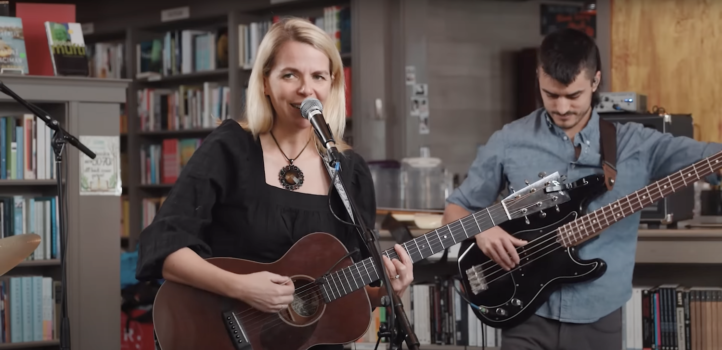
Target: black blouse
[221,206]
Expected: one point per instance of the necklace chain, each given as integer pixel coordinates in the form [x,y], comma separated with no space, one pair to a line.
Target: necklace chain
[290,160]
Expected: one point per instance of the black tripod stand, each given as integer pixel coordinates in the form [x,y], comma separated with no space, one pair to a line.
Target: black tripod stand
[60,137]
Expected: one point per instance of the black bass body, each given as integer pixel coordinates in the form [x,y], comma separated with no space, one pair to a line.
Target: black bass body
[505,298]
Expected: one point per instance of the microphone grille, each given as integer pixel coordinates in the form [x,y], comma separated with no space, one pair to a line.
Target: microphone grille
[310,104]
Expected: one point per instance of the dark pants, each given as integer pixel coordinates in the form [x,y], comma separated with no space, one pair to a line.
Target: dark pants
[539,333]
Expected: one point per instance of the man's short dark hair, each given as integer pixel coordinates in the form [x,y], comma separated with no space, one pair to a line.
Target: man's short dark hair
[565,52]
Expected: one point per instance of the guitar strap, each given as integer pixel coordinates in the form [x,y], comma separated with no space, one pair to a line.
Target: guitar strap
[608,148]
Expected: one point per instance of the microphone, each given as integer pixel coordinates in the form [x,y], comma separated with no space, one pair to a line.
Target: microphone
[312,110]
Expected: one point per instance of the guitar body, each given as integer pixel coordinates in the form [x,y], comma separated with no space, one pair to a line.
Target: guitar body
[188,318]
[506,299]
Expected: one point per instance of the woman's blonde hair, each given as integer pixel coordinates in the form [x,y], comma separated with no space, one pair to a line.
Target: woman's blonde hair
[259,114]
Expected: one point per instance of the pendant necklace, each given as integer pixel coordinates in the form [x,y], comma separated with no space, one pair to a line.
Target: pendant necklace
[290,176]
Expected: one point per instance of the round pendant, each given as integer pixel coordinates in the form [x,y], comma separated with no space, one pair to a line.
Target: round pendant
[291,177]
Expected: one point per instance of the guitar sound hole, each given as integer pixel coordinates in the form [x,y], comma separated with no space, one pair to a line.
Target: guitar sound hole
[307,305]
[304,308]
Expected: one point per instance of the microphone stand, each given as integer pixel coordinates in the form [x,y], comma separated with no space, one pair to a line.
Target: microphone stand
[60,137]
[401,329]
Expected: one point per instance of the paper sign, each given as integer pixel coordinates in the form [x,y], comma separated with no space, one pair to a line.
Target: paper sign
[175,14]
[419,106]
[100,176]
[410,75]
[421,89]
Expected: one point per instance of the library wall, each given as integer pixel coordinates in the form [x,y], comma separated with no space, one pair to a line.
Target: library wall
[471,70]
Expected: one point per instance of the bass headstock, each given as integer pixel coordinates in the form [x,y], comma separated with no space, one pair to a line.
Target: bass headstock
[547,192]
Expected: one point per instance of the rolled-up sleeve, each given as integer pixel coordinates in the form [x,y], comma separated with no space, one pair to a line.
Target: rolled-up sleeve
[485,177]
[668,153]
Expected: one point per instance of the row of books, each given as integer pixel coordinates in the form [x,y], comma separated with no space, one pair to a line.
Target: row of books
[39,215]
[29,308]
[673,317]
[149,208]
[25,148]
[182,52]
[336,22]
[163,163]
[438,315]
[184,108]
[107,60]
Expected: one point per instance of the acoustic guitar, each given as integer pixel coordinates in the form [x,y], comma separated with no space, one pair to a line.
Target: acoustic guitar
[330,303]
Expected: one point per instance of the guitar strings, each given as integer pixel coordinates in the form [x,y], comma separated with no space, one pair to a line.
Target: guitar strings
[580,223]
[355,276]
[582,218]
[310,288]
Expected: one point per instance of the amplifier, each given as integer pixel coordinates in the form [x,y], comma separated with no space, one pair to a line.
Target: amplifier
[622,102]
[678,206]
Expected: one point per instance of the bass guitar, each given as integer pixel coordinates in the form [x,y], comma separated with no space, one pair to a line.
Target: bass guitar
[330,303]
[504,299]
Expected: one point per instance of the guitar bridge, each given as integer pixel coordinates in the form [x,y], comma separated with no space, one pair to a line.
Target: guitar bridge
[235,331]
[476,278]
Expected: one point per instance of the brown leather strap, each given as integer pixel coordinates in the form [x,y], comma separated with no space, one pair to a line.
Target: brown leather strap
[608,143]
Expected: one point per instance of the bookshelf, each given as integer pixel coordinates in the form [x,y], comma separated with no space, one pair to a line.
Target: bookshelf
[83,106]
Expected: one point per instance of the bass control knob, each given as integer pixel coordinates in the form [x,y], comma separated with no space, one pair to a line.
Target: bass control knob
[516,302]
[500,312]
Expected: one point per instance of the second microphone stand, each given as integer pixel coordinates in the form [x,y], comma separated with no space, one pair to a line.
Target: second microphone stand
[401,328]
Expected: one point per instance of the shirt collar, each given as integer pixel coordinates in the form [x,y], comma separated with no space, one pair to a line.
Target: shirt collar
[589,134]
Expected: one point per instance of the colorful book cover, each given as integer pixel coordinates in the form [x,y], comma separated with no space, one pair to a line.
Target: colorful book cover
[67,49]
[13,58]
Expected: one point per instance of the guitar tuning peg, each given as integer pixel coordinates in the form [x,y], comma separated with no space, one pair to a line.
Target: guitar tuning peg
[542,174]
[542,214]
[511,189]
[563,178]
[557,208]
[526,220]
[526,182]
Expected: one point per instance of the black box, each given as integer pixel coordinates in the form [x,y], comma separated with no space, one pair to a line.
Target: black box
[678,206]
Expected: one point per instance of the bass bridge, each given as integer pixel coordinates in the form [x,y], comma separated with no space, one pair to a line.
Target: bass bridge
[477,279]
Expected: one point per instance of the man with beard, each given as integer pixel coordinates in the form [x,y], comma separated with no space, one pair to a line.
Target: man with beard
[564,136]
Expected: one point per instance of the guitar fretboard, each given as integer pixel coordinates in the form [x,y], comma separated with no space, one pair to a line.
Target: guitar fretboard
[593,223]
[349,279]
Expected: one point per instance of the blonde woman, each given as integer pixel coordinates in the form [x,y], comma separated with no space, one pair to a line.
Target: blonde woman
[254,188]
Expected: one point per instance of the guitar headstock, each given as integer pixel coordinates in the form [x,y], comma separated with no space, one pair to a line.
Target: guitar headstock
[545,193]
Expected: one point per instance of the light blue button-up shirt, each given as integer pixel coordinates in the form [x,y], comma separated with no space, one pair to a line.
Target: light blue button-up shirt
[533,144]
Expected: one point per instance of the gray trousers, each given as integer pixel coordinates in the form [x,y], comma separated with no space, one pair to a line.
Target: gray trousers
[539,333]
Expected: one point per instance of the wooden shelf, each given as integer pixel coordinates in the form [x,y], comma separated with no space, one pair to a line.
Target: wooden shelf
[29,345]
[28,182]
[156,186]
[210,74]
[47,262]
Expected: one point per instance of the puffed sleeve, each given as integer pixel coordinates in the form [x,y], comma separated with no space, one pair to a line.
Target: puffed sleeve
[365,191]
[365,196]
[183,216]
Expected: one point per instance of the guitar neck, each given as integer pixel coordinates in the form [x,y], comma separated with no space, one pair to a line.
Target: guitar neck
[349,279]
[592,224]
